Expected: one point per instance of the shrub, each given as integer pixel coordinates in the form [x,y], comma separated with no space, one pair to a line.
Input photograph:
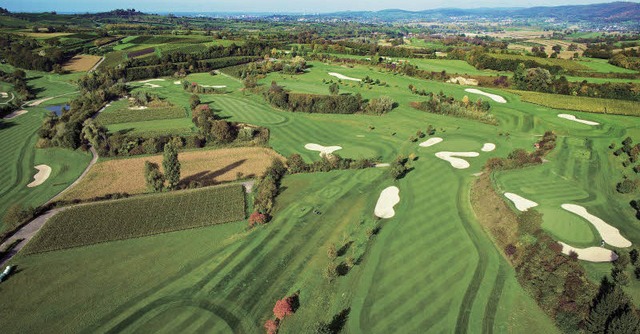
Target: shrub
[283,308]
[379,106]
[257,218]
[626,186]
[271,326]
[529,221]
[332,252]
[153,176]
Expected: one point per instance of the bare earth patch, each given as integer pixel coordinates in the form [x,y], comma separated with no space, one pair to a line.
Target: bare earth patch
[389,197]
[16,114]
[575,119]
[343,77]
[463,81]
[81,63]
[521,203]
[591,254]
[494,97]
[42,175]
[208,167]
[324,150]
[431,142]
[608,233]
[452,158]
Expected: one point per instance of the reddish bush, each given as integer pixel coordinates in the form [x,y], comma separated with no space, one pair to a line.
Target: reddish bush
[283,308]
[510,250]
[271,326]
[257,218]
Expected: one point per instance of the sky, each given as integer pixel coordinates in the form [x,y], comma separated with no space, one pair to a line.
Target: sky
[297,6]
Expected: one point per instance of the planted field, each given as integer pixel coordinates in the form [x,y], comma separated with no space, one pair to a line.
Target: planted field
[81,63]
[140,216]
[205,166]
[581,103]
[141,52]
[120,112]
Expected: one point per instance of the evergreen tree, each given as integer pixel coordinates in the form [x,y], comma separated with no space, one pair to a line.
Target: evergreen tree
[171,166]
[153,176]
[626,323]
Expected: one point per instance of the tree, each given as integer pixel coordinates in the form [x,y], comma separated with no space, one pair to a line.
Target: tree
[332,252]
[380,105]
[283,308]
[626,186]
[171,166]
[296,164]
[334,89]
[222,131]
[399,168]
[610,301]
[153,176]
[93,132]
[194,101]
[625,323]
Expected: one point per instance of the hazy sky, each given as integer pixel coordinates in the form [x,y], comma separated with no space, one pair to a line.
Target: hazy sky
[309,6]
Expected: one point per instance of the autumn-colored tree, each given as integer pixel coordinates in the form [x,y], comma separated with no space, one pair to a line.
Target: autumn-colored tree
[271,326]
[283,308]
[257,218]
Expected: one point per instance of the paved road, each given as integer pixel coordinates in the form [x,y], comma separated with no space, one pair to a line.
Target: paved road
[26,233]
[96,65]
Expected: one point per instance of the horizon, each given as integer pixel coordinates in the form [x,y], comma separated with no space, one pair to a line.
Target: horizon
[276,7]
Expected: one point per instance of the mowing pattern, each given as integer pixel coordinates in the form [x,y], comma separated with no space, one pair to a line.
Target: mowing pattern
[136,217]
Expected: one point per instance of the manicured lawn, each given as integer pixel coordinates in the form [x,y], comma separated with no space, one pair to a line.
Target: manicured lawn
[603,66]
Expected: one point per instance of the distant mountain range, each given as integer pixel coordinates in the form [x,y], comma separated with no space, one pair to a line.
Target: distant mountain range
[605,12]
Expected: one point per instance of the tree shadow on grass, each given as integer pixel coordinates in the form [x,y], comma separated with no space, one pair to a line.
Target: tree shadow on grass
[207,178]
[6,124]
[337,323]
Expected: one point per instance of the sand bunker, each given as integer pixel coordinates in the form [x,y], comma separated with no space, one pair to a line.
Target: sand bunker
[591,254]
[343,77]
[150,85]
[488,147]
[150,80]
[38,102]
[4,95]
[138,108]
[42,175]
[216,87]
[457,162]
[387,200]
[520,202]
[463,81]
[575,119]
[324,150]
[496,98]
[431,142]
[381,165]
[608,233]
[15,114]
[177,82]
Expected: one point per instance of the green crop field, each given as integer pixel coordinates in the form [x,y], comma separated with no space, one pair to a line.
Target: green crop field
[140,216]
[450,66]
[581,103]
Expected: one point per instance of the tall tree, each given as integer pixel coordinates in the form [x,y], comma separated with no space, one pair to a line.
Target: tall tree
[153,176]
[171,166]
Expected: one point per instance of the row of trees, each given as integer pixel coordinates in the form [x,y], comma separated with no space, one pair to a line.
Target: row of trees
[446,105]
[519,158]
[326,104]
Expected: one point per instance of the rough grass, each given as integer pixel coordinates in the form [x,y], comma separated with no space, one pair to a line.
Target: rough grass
[81,63]
[139,216]
[205,166]
[119,112]
[581,103]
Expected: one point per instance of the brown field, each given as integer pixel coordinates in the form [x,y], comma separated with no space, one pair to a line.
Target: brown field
[208,167]
[81,63]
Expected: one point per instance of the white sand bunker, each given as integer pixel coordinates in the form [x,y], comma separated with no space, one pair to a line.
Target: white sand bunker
[150,80]
[457,162]
[463,81]
[15,114]
[387,200]
[177,82]
[591,254]
[608,233]
[4,95]
[324,150]
[520,202]
[382,165]
[575,119]
[138,108]
[496,98]
[431,142]
[42,175]
[150,85]
[216,87]
[343,77]
[488,147]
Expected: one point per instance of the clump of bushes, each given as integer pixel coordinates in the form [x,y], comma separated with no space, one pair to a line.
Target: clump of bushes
[520,157]
[445,105]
